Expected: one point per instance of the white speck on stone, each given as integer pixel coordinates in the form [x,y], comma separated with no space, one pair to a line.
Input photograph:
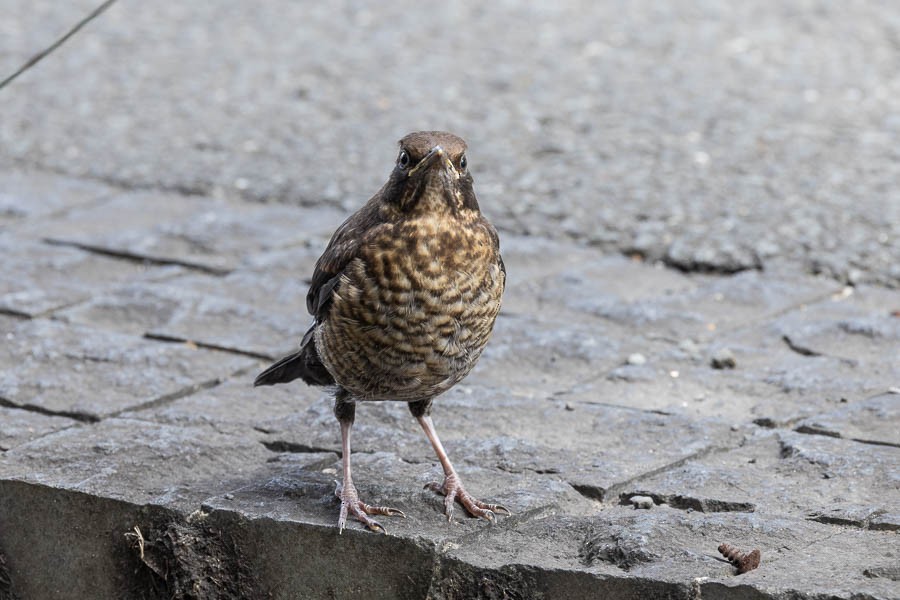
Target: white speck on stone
[701,158]
[674,374]
[241,183]
[642,502]
[843,294]
[636,359]
[737,45]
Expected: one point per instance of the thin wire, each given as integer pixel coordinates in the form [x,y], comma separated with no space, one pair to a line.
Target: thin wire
[43,53]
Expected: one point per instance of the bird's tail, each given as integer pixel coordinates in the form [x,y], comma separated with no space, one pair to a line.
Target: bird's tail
[304,364]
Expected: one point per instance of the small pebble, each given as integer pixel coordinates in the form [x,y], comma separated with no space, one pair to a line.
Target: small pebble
[723,359]
[636,359]
[644,502]
[228,496]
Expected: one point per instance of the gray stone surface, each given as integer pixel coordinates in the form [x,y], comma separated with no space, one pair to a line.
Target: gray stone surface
[764,475]
[705,137]
[89,374]
[873,420]
[679,188]
[206,234]
[40,278]
[29,194]
[19,426]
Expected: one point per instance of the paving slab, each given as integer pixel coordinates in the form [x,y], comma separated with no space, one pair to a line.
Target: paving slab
[682,308]
[138,462]
[856,327]
[259,309]
[235,405]
[667,386]
[19,426]
[26,194]
[203,233]
[764,354]
[783,473]
[555,279]
[89,374]
[40,278]
[873,420]
[176,312]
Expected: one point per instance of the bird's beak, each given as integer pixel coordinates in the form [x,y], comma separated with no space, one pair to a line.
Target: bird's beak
[435,157]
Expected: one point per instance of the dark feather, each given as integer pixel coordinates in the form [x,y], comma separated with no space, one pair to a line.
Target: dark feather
[342,248]
[303,364]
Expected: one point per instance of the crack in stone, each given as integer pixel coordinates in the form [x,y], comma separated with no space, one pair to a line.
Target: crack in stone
[813,430]
[17,314]
[864,523]
[801,350]
[74,415]
[874,442]
[298,448]
[806,351]
[652,411]
[770,423]
[705,505]
[138,258]
[706,268]
[168,398]
[161,337]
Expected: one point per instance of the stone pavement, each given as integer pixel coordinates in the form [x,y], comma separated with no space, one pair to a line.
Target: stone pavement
[699,220]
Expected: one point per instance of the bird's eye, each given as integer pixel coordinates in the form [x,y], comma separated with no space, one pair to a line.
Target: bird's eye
[403,159]
[463,163]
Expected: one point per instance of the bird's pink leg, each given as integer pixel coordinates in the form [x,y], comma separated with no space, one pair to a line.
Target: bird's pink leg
[350,502]
[452,488]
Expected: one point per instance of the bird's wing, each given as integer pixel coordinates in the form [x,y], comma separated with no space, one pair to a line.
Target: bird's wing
[343,248]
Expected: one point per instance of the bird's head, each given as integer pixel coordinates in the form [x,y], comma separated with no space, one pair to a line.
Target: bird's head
[431,174]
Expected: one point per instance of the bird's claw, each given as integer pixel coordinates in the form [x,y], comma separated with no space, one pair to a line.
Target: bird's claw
[351,504]
[453,491]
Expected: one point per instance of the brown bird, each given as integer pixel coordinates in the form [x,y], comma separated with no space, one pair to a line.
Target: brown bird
[404,298]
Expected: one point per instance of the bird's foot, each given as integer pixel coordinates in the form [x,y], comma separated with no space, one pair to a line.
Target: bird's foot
[352,505]
[453,490]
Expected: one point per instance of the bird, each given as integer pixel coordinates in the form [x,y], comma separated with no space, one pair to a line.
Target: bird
[403,300]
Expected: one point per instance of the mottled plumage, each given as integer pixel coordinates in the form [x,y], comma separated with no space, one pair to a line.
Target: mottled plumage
[404,298]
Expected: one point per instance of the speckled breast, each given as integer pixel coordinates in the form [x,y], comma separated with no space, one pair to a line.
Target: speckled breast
[414,311]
